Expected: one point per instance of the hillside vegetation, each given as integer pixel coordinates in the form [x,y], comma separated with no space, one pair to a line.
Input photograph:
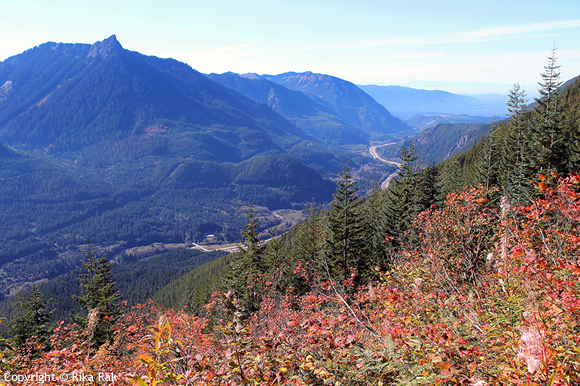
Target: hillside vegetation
[136,150]
[464,272]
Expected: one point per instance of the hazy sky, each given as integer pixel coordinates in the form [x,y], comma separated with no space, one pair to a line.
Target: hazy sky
[364,41]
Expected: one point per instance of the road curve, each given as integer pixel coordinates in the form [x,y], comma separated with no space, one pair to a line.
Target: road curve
[374,154]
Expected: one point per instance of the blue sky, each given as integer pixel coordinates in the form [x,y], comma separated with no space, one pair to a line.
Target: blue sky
[460,46]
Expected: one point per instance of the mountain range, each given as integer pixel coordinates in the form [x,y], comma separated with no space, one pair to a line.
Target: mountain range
[406,102]
[98,141]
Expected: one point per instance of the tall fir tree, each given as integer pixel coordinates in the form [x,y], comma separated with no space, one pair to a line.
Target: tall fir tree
[374,232]
[98,292]
[405,197]
[549,123]
[308,243]
[346,248]
[517,152]
[486,168]
[429,189]
[247,264]
[33,322]
[306,250]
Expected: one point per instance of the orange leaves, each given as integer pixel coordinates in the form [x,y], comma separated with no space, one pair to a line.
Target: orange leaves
[443,314]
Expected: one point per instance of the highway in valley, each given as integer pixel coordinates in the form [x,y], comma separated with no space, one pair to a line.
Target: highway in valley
[374,154]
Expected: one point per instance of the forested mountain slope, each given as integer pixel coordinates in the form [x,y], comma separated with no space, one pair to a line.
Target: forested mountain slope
[463,272]
[134,149]
[314,118]
[440,142]
[65,97]
[346,99]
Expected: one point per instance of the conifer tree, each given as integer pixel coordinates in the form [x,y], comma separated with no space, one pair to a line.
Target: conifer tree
[98,292]
[345,249]
[429,191]
[485,170]
[517,151]
[306,249]
[374,232]
[450,178]
[405,195]
[33,321]
[247,264]
[549,122]
[308,241]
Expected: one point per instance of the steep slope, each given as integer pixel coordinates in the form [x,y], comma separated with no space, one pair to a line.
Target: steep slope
[42,202]
[312,117]
[571,93]
[440,142]
[406,102]
[345,98]
[134,150]
[65,97]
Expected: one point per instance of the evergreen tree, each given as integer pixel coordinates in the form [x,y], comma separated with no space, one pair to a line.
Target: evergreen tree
[374,232]
[485,170]
[549,122]
[346,248]
[32,322]
[247,264]
[308,244]
[98,292]
[450,178]
[429,191]
[306,249]
[517,151]
[405,195]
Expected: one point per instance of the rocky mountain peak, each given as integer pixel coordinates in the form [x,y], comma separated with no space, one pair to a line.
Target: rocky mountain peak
[105,48]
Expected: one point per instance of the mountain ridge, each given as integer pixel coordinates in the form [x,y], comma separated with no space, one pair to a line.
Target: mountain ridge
[348,100]
[135,149]
[316,119]
[406,102]
[140,90]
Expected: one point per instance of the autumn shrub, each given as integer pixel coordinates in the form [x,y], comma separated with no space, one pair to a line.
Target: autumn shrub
[490,296]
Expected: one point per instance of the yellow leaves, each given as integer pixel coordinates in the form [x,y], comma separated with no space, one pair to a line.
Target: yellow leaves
[145,358]
[555,310]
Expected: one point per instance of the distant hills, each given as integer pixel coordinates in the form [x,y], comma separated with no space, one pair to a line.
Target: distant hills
[331,109]
[406,102]
[317,119]
[427,121]
[347,99]
[132,149]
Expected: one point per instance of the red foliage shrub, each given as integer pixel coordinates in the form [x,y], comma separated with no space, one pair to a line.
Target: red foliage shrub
[491,297]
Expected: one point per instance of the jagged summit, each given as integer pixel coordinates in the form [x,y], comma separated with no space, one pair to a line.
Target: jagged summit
[105,48]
